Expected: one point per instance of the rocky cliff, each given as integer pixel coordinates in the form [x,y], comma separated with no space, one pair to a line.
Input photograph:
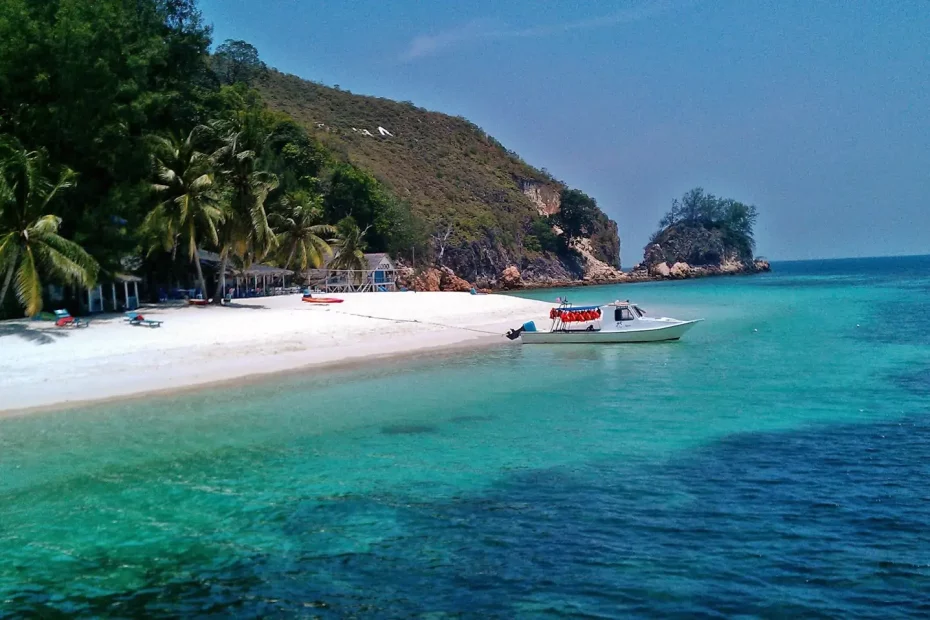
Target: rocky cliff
[545,196]
[483,208]
[694,250]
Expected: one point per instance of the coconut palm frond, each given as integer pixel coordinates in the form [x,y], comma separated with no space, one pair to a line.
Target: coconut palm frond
[350,253]
[47,224]
[65,180]
[30,247]
[7,242]
[159,230]
[66,259]
[167,176]
[28,284]
[201,183]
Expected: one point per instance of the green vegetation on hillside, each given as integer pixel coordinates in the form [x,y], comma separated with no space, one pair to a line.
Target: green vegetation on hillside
[457,179]
[704,229]
[170,150]
[447,168]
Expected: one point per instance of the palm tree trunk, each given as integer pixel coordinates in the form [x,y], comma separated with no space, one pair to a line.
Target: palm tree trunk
[9,275]
[221,280]
[203,283]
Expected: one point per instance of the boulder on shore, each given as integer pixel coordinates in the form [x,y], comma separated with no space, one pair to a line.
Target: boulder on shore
[448,281]
[435,279]
[653,255]
[731,265]
[680,270]
[660,270]
[427,281]
[510,278]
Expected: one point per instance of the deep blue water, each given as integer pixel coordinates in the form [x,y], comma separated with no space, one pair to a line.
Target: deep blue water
[774,463]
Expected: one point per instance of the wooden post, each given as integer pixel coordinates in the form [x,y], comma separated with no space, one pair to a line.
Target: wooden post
[135,288]
[126,293]
[113,287]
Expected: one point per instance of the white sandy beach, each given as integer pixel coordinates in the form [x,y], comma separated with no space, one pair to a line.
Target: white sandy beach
[42,365]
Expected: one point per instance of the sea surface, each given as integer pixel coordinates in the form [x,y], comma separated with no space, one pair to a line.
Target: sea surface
[774,463]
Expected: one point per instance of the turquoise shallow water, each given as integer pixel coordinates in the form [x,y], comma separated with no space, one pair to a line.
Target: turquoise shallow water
[773,463]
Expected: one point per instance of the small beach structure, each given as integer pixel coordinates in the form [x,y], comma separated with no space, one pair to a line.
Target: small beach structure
[256,280]
[381,276]
[99,301]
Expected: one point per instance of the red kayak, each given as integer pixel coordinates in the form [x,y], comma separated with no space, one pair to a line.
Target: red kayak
[322,300]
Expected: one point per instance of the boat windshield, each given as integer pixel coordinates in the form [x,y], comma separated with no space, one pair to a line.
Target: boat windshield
[639,311]
[623,314]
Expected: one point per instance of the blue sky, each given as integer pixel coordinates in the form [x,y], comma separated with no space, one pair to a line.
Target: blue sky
[817,112]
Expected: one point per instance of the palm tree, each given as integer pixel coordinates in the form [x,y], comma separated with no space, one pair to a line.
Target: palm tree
[188,213]
[300,239]
[245,228]
[351,245]
[30,246]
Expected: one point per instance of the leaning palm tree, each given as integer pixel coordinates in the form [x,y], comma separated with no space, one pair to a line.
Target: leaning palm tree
[350,252]
[30,246]
[188,213]
[302,241]
[245,229]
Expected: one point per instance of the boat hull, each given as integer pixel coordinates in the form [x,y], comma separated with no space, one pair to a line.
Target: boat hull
[663,333]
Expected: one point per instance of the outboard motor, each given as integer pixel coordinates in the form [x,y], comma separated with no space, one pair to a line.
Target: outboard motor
[513,334]
[529,326]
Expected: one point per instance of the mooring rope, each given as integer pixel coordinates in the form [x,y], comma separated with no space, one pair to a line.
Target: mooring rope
[383,318]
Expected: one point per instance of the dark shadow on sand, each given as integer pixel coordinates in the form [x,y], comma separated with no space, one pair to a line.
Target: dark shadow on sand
[31,334]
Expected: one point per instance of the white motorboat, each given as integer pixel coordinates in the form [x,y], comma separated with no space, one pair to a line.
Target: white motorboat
[620,321]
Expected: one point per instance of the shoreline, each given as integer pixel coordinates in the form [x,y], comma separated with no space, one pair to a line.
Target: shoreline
[361,362]
[49,369]
[641,277]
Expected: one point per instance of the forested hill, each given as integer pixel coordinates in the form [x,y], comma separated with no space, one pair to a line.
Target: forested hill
[127,147]
[482,206]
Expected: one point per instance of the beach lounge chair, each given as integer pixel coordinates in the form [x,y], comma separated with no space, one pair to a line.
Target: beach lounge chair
[63,318]
[136,318]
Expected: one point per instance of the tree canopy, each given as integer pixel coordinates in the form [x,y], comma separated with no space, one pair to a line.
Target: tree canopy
[577,213]
[731,219]
[173,150]
[30,247]
[237,61]
[169,148]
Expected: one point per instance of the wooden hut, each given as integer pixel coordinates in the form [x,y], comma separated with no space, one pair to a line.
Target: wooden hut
[380,276]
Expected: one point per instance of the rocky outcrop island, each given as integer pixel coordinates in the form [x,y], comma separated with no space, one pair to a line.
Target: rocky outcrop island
[702,235]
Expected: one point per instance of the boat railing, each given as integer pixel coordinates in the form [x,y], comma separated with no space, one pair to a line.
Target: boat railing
[568,314]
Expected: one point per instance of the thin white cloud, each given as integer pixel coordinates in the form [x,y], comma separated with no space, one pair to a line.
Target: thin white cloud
[429,45]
